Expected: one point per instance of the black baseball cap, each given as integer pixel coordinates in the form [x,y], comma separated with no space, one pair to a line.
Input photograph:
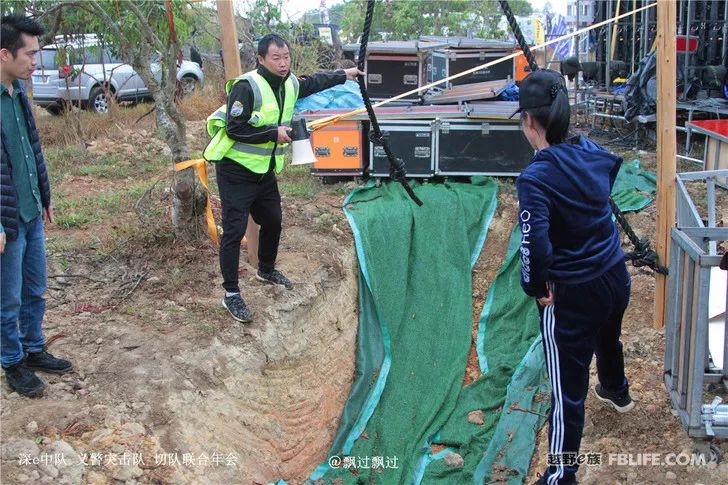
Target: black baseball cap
[539,89]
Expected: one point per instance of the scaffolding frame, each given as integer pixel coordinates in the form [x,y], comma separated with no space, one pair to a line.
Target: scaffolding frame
[688,363]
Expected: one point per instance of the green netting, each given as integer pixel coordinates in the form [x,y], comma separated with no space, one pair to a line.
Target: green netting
[415,263]
[634,187]
[506,460]
[512,362]
[414,337]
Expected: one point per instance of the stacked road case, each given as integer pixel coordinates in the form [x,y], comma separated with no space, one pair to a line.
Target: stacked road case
[455,140]
[460,54]
[338,149]
[440,139]
[394,67]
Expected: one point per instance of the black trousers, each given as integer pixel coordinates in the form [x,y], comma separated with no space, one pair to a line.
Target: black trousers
[243,193]
[585,319]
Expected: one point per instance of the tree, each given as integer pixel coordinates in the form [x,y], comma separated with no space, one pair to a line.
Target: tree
[521,8]
[490,14]
[264,16]
[403,20]
[336,13]
[156,27]
[142,29]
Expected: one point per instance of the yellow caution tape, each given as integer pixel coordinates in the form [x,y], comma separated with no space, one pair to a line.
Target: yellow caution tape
[200,167]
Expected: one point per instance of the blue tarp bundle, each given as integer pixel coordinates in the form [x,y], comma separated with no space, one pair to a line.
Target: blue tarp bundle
[345,95]
[510,93]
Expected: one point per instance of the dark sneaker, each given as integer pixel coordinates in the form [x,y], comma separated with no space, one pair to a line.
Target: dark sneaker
[237,308]
[621,404]
[24,381]
[45,362]
[274,277]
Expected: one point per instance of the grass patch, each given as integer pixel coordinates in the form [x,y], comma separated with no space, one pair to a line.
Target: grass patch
[297,181]
[116,166]
[151,239]
[74,160]
[338,186]
[79,212]
[70,220]
[204,101]
[77,126]
[106,166]
[324,222]
[75,212]
[63,160]
[104,171]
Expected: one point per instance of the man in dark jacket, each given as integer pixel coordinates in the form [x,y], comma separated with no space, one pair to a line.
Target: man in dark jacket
[25,202]
[249,153]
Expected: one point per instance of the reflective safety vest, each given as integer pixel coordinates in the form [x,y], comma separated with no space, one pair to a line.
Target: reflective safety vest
[253,156]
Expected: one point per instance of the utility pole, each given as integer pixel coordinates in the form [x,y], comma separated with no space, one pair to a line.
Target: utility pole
[230,54]
[608,50]
[666,150]
[231,59]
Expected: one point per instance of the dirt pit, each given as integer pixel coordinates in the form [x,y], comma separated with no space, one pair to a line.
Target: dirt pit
[168,389]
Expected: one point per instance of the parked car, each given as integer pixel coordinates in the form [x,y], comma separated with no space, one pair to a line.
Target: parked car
[79,72]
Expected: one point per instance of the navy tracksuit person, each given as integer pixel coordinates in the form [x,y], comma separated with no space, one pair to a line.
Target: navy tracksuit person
[572,263]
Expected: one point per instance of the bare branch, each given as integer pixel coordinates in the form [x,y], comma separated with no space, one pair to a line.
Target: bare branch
[50,36]
[109,21]
[142,277]
[51,9]
[56,10]
[145,115]
[145,25]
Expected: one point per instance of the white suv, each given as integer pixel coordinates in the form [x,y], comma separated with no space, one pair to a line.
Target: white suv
[88,69]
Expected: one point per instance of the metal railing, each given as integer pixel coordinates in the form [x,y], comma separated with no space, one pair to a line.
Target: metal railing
[689,365]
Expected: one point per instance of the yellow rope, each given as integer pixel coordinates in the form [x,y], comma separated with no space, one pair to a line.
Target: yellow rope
[320,123]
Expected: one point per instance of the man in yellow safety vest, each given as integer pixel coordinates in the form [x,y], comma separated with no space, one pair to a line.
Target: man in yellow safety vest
[249,136]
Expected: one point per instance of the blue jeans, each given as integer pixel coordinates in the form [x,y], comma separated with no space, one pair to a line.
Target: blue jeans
[22,284]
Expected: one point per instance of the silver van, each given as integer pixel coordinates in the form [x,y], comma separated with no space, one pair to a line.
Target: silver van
[77,72]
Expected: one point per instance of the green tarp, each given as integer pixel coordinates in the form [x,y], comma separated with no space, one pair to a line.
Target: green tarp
[414,338]
[512,394]
[415,325]
[415,333]
[634,187]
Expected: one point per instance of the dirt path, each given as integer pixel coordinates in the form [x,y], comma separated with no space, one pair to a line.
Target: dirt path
[169,374]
